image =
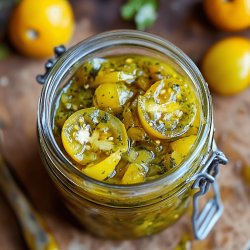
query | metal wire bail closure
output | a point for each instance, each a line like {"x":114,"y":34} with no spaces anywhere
{"x":203,"y":221}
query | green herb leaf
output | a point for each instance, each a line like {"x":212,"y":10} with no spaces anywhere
{"x":146,"y":16}
{"x":128,"y":11}
{"x":143,"y":12}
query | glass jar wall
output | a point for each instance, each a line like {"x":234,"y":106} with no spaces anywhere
{"x":122,"y":211}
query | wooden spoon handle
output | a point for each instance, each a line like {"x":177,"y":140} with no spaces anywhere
{"x":35,"y":230}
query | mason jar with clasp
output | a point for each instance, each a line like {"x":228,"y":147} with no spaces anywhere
{"x":131,"y":211}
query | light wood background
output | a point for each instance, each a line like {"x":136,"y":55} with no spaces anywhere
{"x":181,"y":22}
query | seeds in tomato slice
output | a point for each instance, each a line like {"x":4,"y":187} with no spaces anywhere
{"x":90,"y":136}
{"x":167,"y":109}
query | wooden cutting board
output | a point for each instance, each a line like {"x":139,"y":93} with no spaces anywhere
{"x":181,"y":22}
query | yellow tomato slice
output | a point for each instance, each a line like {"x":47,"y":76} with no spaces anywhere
{"x":113,"y":77}
{"x":176,"y":158}
{"x":103,"y":169}
{"x":134,"y":174}
{"x":92,"y":136}
{"x":140,"y":156}
{"x":159,"y":71}
{"x":183,"y":145}
{"x":87,"y":72}
{"x":167,"y":109}
{"x":181,"y":148}
{"x":132,"y":123}
{"x":111,"y":96}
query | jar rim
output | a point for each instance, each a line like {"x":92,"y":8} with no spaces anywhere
{"x":69,"y":59}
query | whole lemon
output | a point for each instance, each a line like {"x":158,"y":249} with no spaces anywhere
{"x":226,"y":66}
{"x":36,"y":27}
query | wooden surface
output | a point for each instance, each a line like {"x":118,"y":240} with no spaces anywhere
{"x":181,"y":22}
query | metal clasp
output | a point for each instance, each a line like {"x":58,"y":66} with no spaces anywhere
{"x":203,"y":221}
{"x":50,"y":63}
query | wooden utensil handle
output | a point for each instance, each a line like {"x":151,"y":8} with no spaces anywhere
{"x":34,"y":228}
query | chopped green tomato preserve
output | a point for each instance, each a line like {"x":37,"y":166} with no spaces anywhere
{"x":127,"y":119}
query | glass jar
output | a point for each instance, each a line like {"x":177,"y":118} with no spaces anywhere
{"x":131,"y":211}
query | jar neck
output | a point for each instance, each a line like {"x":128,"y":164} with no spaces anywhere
{"x":102,"y":45}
